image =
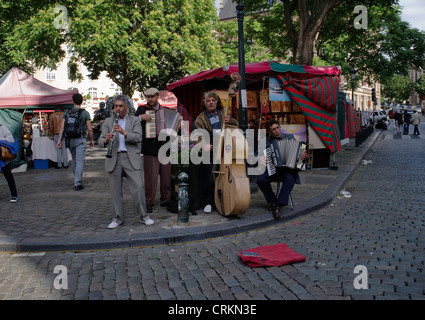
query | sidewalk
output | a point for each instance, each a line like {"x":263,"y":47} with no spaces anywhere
{"x":51,"y":216}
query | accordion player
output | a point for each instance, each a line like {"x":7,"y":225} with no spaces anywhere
{"x":284,"y":153}
{"x":283,"y":157}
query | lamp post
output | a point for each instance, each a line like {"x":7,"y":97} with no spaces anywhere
{"x":243,"y":115}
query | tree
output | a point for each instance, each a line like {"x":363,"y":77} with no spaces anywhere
{"x":397,"y":88}
{"x":138,"y":43}
{"x":227,"y":36}
{"x":294,"y":25}
{"x":386,"y":47}
{"x":12,"y":13}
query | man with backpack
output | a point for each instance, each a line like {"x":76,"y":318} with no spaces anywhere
{"x":75,"y":127}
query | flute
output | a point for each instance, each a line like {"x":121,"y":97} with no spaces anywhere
{"x":111,"y":145}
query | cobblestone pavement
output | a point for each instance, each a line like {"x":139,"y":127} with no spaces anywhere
{"x":377,"y":224}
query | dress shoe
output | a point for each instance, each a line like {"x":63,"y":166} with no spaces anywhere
{"x":80,"y":187}
{"x":149,"y":208}
{"x":276,"y":212}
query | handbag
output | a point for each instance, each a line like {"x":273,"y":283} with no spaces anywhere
{"x":6,"y":154}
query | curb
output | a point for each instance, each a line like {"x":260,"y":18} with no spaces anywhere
{"x":8,"y":245}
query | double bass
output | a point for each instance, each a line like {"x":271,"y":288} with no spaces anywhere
{"x":232,"y":192}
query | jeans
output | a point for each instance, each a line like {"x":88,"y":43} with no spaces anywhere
{"x":406,"y":128}
{"x":62,"y":152}
{"x":78,"y":151}
{"x":264,"y":183}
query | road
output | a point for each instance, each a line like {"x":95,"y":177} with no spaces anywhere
{"x":367,"y":244}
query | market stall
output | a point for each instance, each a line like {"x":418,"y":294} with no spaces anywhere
{"x":34,"y":100}
{"x":302,"y":98}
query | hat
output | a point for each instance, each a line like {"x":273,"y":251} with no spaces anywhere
{"x":151,"y":92}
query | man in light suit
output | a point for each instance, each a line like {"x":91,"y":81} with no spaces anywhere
{"x":125,"y":157}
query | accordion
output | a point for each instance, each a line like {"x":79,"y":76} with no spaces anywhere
{"x":163,"y":118}
{"x":284,"y":153}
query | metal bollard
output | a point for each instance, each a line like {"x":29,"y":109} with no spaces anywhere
{"x":183,"y":206}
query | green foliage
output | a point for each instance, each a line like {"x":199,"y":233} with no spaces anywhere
{"x":12,"y":13}
{"x":227,"y":36}
{"x":292,"y":29}
{"x":138,"y":43}
{"x":397,"y":88}
{"x":388,"y":46}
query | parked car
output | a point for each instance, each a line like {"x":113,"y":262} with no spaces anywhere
{"x":375,"y":116}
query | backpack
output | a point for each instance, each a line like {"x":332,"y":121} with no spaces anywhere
{"x":73,"y":127}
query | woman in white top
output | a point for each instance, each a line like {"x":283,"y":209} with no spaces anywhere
{"x":5,"y":135}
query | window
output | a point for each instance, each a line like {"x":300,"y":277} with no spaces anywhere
{"x":50,"y":74}
{"x":93,"y":92}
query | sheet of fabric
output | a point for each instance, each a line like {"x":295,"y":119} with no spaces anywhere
{"x":270,"y":256}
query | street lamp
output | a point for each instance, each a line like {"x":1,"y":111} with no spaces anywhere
{"x":243,"y":115}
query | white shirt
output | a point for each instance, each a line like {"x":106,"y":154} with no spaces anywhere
{"x":121,"y":137}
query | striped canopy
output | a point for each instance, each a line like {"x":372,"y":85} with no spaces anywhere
{"x":317,"y":99}
{"x":313,"y":89}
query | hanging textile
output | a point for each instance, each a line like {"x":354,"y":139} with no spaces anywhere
{"x":351,"y":120}
{"x":316,"y":97}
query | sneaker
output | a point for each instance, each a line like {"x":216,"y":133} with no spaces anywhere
{"x":147,"y":221}
{"x":115,"y":223}
{"x":207,"y":208}
{"x":14,"y":199}
{"x":77,"y":188}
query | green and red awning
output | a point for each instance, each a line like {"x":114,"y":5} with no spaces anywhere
{"x":313,"y":89}
{"x":317,"y":98}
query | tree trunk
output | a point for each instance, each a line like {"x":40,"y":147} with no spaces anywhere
{"x":311,"y":17}
{"x":305,"y":51}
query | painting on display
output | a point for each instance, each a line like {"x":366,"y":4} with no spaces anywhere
{"x":277,"y":93}
{"x":298,"y":130}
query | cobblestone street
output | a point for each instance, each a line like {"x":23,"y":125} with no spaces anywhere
{"x":378,"y":223}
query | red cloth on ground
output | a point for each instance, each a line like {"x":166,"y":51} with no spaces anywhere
{"x":270,"y":256}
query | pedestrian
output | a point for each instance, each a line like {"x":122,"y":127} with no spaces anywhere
{"x":398,"y":119}
{"x":62,"y":152}
{"x":288,"y":177}
{"x":406,"y":121}
{"x":391,"y":117}
{"x":150,"y":149}
{"x":416,"y":119}
{"x":211,"y":120}
{"x":123,"y":134}
{"x":8,"y":141}
{"x":77,"y":144}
